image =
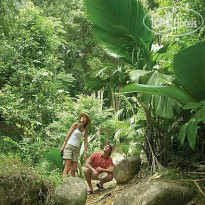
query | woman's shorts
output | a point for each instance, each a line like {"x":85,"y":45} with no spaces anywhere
{"x":71,"y":152}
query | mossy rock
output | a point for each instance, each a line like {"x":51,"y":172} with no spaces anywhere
{"x":126,"y":169}
{"x":72,"y":191}
{"x":154,"y":193}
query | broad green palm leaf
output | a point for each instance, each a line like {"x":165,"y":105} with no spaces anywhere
{"x":192,"y":75}
{"x":54,"y":157}
{"x":162,"y":105}
{"x":189,"y":67}
{"x":118,"y":25}
{"x":167,"y":91}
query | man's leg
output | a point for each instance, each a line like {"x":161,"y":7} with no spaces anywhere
{"x":108,"y":178}
{"x":87,"y":174}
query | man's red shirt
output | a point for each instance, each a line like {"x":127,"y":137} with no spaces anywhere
{"x":98,"y":160}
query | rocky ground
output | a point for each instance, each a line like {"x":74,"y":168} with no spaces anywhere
{"x":107,"y":196}
{"x":111,"y":189}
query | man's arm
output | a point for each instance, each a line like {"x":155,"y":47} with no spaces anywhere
{"x":89,"y":166}
{"x":109,"y":170}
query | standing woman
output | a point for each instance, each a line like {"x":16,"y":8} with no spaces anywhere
{"x":72,"y":142}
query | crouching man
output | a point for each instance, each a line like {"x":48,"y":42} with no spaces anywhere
{"x":99,"y":167}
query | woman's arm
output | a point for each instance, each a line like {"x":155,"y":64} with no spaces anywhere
{"x":72,"y":128}
{"x":85,"y":144}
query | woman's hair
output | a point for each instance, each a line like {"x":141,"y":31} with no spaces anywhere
{"x":85,"y":125}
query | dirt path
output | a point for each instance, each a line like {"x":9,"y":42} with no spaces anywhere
{"x":107,"y":196}
{"x":111,"y":188}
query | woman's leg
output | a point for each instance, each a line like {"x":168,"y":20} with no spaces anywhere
{"x":73,"y":168}
{"x":74,"y":163}
{"x":67,"y":167}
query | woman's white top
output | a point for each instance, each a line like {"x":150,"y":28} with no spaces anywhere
{"x":75,"y":137}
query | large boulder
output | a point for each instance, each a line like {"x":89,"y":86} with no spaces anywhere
{"x":154,"y":193}
{"x":126,"y":169}
{"x":72,"y":191}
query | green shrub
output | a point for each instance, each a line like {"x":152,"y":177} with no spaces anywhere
{"x":21,"y":185}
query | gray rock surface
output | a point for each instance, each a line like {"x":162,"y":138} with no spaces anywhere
{"x":72,"y":191}
{"x":126,"y":169}
{"x":154,"y":193}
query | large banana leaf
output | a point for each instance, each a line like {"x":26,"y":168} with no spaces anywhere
{"x":189,"y":66}
{"x":159,"y":79}
{"x":118,"y":25}
{"x":192,"y":132}
{"x":194,"y":105}
{"x":164,"y":106}
{"x":182,"y":133}
{"x":167,"y":91}
{"x":136,"y":74}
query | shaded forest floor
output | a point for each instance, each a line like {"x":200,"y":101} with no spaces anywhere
{"x":111,"y":189}
{"x":107,"y":196}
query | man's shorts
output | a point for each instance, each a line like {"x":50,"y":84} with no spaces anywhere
{"x":101,"y":176}
{"x":71,"y":152}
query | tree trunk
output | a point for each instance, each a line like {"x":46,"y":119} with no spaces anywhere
{"x":148,"y":132}
{"x":113,"y":99}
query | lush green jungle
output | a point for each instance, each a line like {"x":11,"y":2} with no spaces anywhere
{"x":144,"y":90}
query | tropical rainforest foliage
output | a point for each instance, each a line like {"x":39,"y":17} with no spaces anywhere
{"x":143,"y":91}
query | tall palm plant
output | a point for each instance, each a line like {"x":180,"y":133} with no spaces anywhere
{"x":119,"y":27}
{"x":189,"y":67}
